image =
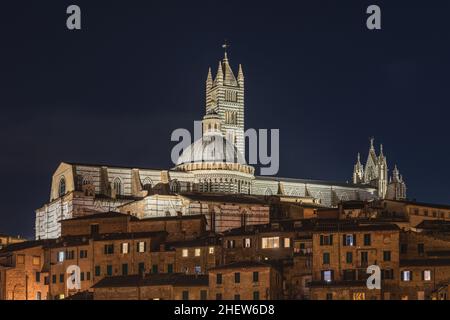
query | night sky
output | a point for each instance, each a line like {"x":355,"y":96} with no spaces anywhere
{"x":114,"y":91}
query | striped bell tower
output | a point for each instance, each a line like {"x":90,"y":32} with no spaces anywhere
{"x":225,"y":94}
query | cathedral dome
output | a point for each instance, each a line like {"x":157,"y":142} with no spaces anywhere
{"x":211,"y":148}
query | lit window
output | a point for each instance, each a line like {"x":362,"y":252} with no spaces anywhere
{"x":36,"y":261}
{"x":197,"y":252}
{"x":287,"y":242}
{"x":427,"y":275}
{"x":211,"y":250}
{"x":359,"y":296}
{"x":271,"y":242}
{"x":406,"y":275}
{"x":125,"y":248}
{"x":141,"y":246}
{"x":60,"y":257}
{"x":327,"y":276}
{"x":184,"y":253}
{"x":247,"y":243}
{"x":349,"y":240}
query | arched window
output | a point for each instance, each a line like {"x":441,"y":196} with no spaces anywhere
{"x":87,"y":180}
{"x":174,"y":186}
{"x":117,"y":185}
{"x":147,"y":184}
{"x":62,"y":186}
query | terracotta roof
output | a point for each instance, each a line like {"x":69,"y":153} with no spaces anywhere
{"x":225,"y":198}
{"x":242,"y":264}
{"x":423,"y":204}
{"x":424,"y":262}
{"x":103,"y":215}
{"x":161,"y":279}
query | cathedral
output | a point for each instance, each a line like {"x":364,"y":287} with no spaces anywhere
{"x":376,"y":174}
{"x":213,"y":165}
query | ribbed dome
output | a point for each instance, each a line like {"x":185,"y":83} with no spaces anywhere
{"x":212,"y":147}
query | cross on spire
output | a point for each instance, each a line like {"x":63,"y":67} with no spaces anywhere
{"x":225,"y":46}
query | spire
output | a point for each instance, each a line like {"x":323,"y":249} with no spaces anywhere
{"x":209,"y":80}
{"x":381,"y":150}
{"x":240,"y":76}
{"x":219,"y":76}
{"x":359,"y":159}
{"x":371,"y":143}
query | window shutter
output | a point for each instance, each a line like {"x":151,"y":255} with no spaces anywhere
{"x":331,"y":239}
{"x":354,"y":240}
{"x":344,"y":239}
{"x":321,"y":240}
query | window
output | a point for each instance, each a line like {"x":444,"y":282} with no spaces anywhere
{"x":62,"y":187}
{"x":184,"y":253}
{"x":420,"y":248}
{"x":61,"y":277}
{"x":255,"y":295}
{"x":125,"y":248}
{"x":349,"y":239}
{"x":38,"y":277}
{"x":329,"y":296}
{"x":141,"y":246}
{"x":359,"y":296}
{"x":197,"y":252}
{"x":20,"y":259}
{"x":218,"y":296}
{"x":403,"y":248}
{"x":38,"y":295}
{"x":255,"y":276}
{"x":386,"y":255}
{"x":125,"y":269}
{"x":326,"y":240}
{"x":117,"y":185}
{"x":231,"y":244}
{"x":81,"y":276}
{"x":46,"y":281}
{"x":109,"y":270}
{"x":287,"y":242}
{"x":426,"y":275}
{"x":387,"y":274}
{"x":247,"y":243}
{"x":141,"y":267}
{"x":237,"y":277}
{"x":367,"y":239}
{"x":109,"y":249}
{"x":97,"y":271}
{"x":203,"y":295}
{"x":155,"y":268}
{"x":198,"y":269}
{"x":327,"y":275}
{"x":406,"y":275}
{"x":326,"y":258}
{"x":88,"y":276}
{"x":237,"y":297}
{"x":219,"y":278}
{"x":364,"y":257}
{"x":54,"y":278}
{"x":36,"y":261}
{"x":70,"y":255}
{"x":271,"y":242}
{"x":185,"y":295}
{"x":60,"y":256}
{"x":349,"y":257}
{"x":211,"y":250}
{"x":95,"y":229}
{"x":83,"y":254}
{"x":170,"y":268}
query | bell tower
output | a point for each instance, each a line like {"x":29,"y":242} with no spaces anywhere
{"x":225,"y":94}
